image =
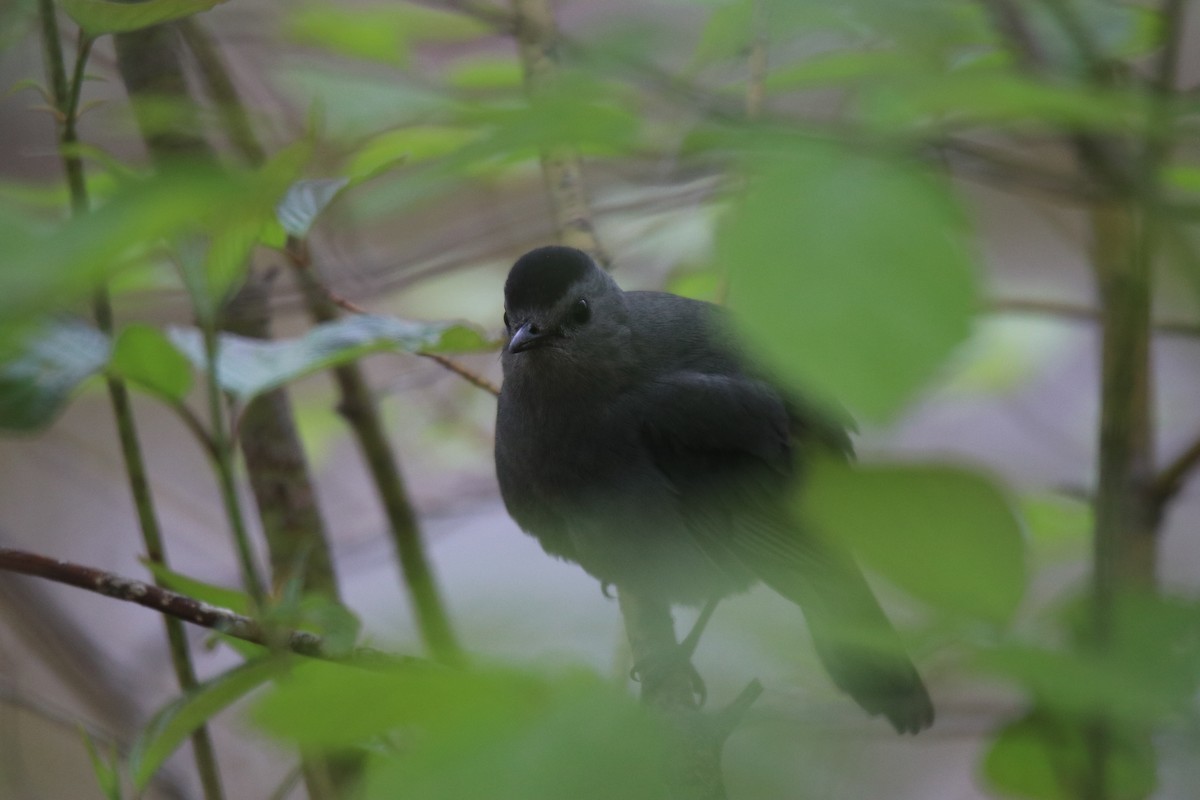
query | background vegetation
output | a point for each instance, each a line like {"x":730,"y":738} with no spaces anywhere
{"x":208,"y":203}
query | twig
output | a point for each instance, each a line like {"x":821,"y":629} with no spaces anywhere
{"x":187,"y":608}
{"x":354,"y":308}
{"x":1167,"y":483}
{"x":1085,"y":314}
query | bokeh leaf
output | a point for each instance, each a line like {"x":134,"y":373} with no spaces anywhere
{"x":1044,"y":757}
{"x":409,"y":145}
{"x":383,"y":33}
{"x":38,"y":378}
{"x":98,"y":17}
{"x":249,"y":367}
{"x":145,"y":357}
{"x":176,"y":721}
{"x":851,"y":273}
{"x":104,"y":767}
{"x":945,"y":535}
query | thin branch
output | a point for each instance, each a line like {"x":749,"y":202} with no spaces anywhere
{"x":1167,"y":483}
{"x":188,"y":609}
{"x":1085,"y":314}
{"x":458,"y":369}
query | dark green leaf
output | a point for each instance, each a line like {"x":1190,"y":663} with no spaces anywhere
{"x":39,"y":378}
{"x":1044,"y":757}
{"x":176,"y":721}
{"x":249,"y":367}
{"x":146,"y":358}
{"x":304,"y":202}
{"x":945,"y":535}
{"x":98,"y":17}
{"x":851,"y":273}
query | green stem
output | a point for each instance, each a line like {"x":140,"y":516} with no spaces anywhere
{"x":66,"y":98}
{"x":358,"y":408}
{"x":224,"y":464}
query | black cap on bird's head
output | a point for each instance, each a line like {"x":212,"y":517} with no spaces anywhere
{"x":551,"y":294}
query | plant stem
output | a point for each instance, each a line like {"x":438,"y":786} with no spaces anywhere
{"x":358,"y":408}
{"x":67,"y":99}
{"x":224,"y":465}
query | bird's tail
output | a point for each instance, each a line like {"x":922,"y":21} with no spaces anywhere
{"x":854,"y":638}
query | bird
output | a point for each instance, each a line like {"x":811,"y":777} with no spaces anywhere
{"x":637,"y":437}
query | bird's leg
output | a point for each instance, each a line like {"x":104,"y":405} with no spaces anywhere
{"x":680,"y":656}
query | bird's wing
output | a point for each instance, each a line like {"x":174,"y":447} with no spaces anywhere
{"x":726,"y":443}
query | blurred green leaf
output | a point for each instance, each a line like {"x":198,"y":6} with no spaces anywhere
{"x":969,"y":98}
{"x":727,"y":32}
{"x":177,"y":720}
{"x":381,"y":33}
{"x":214,"y":595}
{"x":485,"y":73}
{"x":98,"y":17}
{"x":851,"y":273}
{"x":103,"y":767}
{"x":1058,"y":523}
{"x":474,"y":733}
{"x":840,"y":67}
{"x":945,"y":535}
{"x":145,"y":357}
{"x":38,"y":378}
{"x":304,"y":202}
{"x":1044,"y":757}
{"x":410,"y":145}
{"x":249,"y":367}
{"x":1149,"y":670}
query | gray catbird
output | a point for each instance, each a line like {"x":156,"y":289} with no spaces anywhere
{"x":635,"y":438}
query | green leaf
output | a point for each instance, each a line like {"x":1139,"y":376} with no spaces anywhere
{"x":37,"y":380}
{"x":249,"y":367}
{"x":304,"y":202}
{"x":177,"y":720}
{"x":103,"y":767}
{"x":851,"y":273}
{"x":210,"y":593}
{"x":840,"y":67}
{"x":381,"y":33}
{"x":146,"y":358}
{"x":1044,"y":757}
{"x":410,"y":145}
{"x":727,"y":32}
{"x":483,"y":73}
{"x":945,"y":535}
{"x":474,"y":733}
{"x":98,"y":17}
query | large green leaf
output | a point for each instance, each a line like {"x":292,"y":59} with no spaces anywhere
{"x":945,"y":535}
{"x":98,"y":17}
{"x":474,"y":733}
{"x":249,"y":367}
{"x":1044,"y":757}
{"x":39,"y":377}
{"x":851,"y":273}
{"x":145,"y":357}
{"x":176,"y":721}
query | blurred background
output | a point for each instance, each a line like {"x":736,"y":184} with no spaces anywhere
{"x":424,"y":236}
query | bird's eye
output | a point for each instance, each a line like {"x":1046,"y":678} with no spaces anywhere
{"x":581,"y":312}
{"x":506,"y":320}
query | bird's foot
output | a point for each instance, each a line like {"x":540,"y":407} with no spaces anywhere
{"x":662,"y":668}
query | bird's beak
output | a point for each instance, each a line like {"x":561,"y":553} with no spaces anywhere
{"x":527,"y":337}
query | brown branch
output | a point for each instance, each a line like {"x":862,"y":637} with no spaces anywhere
{"x":1167,"y":483}
{"x":188,"y":609}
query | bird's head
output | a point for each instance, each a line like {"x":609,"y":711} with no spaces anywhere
{"x":561,"y":307}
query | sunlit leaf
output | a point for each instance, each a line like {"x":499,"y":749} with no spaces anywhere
{"x":177,"y":720}
{"x":304,"y":202}
{"x":851,"y":273}
{"x":98,"y":17}
{"x":145,"y":357}
{"x":945,"y":535}
{"x":249,"y":367}
{"x":1044,"y":757}
{"x":40,"y":375}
